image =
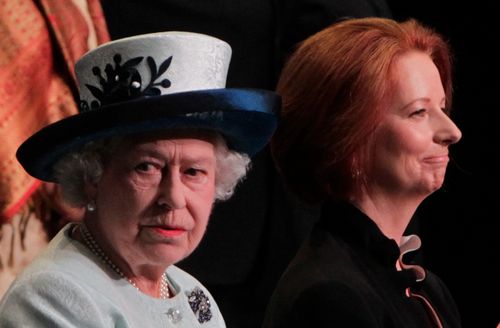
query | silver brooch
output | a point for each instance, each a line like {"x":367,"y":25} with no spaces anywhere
{"x":200,"y":304}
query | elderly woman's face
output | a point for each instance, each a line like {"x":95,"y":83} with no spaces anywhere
{"x":154,"y":198}
{"x":411,"y":144}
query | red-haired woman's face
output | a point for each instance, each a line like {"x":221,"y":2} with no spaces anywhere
{"x":411,"y":144}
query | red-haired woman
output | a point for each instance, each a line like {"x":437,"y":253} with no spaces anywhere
{"x":365,"y":130}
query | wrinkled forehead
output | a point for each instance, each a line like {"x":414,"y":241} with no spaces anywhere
{"x":175,"y":148}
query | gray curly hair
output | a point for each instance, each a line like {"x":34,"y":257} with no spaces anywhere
{"x":77,"y":169}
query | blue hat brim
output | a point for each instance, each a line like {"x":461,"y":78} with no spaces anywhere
{"x":246,"y":118}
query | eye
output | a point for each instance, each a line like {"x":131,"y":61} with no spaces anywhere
{"x":147,"y":174}
{"x":146,"y":167}
{"x":193,"y":171}
{"x":195,"y":175}
{"x":418,"y":113}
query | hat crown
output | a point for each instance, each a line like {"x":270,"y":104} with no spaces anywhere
{"x":152,"y":64}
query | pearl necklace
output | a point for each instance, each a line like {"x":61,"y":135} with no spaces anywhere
{"x":97,"y":250}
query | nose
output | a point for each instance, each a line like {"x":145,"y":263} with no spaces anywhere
{"x":172,"y":192}
{"x":447,"y":132}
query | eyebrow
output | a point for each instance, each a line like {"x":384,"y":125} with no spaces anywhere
{"x":423,"y":99}
{"x":199,"y":159}
{"x":186,"y":157}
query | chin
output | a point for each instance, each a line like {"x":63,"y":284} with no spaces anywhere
{"x":432,"y":187}
{"x":172,"y":254}
{"x":425,"y":188}
{"x":436,"y":181}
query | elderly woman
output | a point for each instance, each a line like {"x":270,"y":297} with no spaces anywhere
{"x":157,"y":141}
{"x":366,"y":130}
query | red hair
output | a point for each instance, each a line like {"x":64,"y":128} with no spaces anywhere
{"x":335,"y":88}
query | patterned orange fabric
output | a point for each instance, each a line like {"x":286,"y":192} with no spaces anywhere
{"x":39,"y":43}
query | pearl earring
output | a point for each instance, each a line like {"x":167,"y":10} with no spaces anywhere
{"x":91,"y":206}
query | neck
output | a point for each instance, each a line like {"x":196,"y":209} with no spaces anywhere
{"x":391,"y":214}
{"x":153,"y":287}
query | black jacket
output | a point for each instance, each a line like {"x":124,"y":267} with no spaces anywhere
{"x":345,"y":276}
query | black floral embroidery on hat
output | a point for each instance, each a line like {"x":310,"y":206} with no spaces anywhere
{"x":200,"y":304}
{"x":124,"y":82}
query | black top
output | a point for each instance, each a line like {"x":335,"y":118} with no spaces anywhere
{"x":344,"y":275}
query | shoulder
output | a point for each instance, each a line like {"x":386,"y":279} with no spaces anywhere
{"x":62,"y":253}
{"x":45,"y":284}
{"x":60,"y":283}
{"x":65,"y":259}
{"x":48,"y":299}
